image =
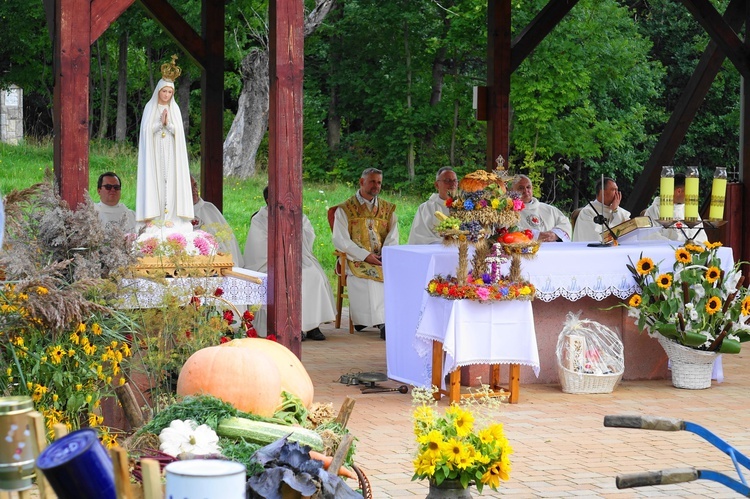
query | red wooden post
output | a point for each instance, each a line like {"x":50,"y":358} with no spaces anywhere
{"x":71,"y":98}
{"x":212,"y":104}
{"x":285,"y":172}
{"x":498,"y":80}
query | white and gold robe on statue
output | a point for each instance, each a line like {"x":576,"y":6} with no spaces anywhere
{"x":209,"y":218}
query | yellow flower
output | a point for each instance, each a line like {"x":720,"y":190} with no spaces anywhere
{"x":464,"y":420}
{"x":431,"y":288}
{"x":75,"y":338}
{"x":683,"y":256}
{"x":713,"y":305}
{"x":454,"y":451}
{"x":713,"y":274}
{"x":525,"y":290}
{"x":433,"y":443}
{"x":695,"y":248}
{"x":88,"y":399}
{"x":664,"y":281}
{"x":710,"y":245}
{"x":635,"y":301}
{"x":492,"y":477}
{"x":55,"y":397}
{"x":79,"y":386}
{"x":41,"y":290}
{"x":644,"y":266}
{"x":95,"y":420}
{"x":57,"y":353}
{"x":424,"y":465}
{"x":122,"y":381}
{"x":71,"y":352}
{"x":495,"y":203}
{"x":108,"y":440}
{"x":746,"y":305}
{"x":81,"y":328}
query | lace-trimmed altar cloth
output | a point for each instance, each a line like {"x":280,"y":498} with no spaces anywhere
{"x":149,"y":293}
{"x":478,"y":333}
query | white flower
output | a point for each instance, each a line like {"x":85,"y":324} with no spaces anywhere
{"x":186,"y":436}
{"x":731,"y":279}
{"x":699,"y":291}
{"x":691,"y":312}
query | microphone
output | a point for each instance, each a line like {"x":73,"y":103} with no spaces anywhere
{"x":599,"y":218}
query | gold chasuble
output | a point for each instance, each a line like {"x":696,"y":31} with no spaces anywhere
{"x":368,"y":228}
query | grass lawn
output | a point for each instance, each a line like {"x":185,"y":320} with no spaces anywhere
{"x":24,"y":165}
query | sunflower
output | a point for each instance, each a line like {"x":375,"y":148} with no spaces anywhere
{"x":454,"y":451}
{"x":57,"y":353}
{"x":713,"y":274}
{"x":645,"y":266}
{"x":635,"y":301}
{"x":683,"y":256}
{"x":713,"y":305}
{"x":464,"y":420}
{"x":433,"y":443}
{"x":664,"y":281}
{"x":746,"y":306}
{"x":492,"y":477}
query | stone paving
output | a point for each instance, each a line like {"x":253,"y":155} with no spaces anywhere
{"x":561,"y":447}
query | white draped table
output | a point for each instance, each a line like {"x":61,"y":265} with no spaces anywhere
{"x":468,"y":332}
{"x":563,"y":273}
{"x":150,"y":293}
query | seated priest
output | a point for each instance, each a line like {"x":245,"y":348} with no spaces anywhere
{"x":547,"y":222}
{"x":109,"y":208}
{"x":607,"y":204}
{"x":423,"y":225}
{"x":208,"y":217}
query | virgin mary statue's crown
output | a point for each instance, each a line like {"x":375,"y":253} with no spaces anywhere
{"x":171,"y":71}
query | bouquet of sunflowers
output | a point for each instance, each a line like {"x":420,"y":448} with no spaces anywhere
{"x":695,"y":304}
{"x":450,"y":447}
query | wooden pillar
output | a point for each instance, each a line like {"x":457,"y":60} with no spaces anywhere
{"x":285,"y":172}
{"x":71,"y":64}
{"x":498,"y":81}
{"x":212,"y":103}
{"x":744,"y":244}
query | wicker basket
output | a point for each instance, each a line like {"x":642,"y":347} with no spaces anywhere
{"x":574,"y":382}
{"x":691,"y":368}
{"x":364,"y":483}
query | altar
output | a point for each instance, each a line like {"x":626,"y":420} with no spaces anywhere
{"x":567,"y":276}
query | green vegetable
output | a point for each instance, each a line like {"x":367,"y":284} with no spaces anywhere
{"x":264,"y":433}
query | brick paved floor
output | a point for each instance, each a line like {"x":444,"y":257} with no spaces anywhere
{"x":561,"y":446}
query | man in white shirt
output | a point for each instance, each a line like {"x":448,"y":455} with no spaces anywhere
{"x":675,"y":234}
{"x":423,"y":225}
{"x":208,"y":217}
{"x":607,"y":203}
{"x":109,"y":208}
{"x":317,"y":297}
{"x":362,"y":225}
{"x":548,"y":223}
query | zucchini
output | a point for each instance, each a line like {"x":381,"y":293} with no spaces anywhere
{"x":263,"y":433}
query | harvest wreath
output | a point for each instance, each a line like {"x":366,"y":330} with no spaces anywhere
{"x":481,"y":289}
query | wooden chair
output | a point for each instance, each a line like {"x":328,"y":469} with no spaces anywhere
{"x":340,"y":277}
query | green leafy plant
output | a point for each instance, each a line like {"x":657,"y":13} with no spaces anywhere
{"x":695,"y":304}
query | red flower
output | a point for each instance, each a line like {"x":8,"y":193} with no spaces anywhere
{"x":188,"y":334}
{"x":272,"y":337}
{"x":218,"y":292}
{"x":195,"y":301}
{"x":251,"y":332}
{"x":224,"y":339}
{"x":248,"y":316}
{"x":449,"y":202}
{"x":228,"y":316}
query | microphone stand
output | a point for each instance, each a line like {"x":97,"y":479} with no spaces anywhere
{"x":599,"y":218}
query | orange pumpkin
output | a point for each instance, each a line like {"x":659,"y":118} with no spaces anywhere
{"x":239,"y":376}
{"x":294,"y":377}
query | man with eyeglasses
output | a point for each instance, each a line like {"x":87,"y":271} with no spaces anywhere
{"x":110,"y":209}
{"x":423,"y":225}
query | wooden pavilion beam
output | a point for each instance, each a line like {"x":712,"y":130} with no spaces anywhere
{"x":498,"y":81}
{"x":286,"y":64}
{"x":682,"y":116}
{"x":720,"y":32}
{"x":176,"y":27}
{"x":104,"y":13}
{"x":537,"y":30}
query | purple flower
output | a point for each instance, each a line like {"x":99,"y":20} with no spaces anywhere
{"x":486,"y":278}
{"x":482,"y":203}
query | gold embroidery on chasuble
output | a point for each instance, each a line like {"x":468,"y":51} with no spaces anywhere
{"x":368,"y":229}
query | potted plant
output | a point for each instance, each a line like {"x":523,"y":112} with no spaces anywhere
{"x":453,"y":453}
{"x":695,"y":310}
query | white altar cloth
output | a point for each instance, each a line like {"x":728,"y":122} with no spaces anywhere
{"x":559,"y":270}
{"x":150,"y":293}
{"x":478,"y":333}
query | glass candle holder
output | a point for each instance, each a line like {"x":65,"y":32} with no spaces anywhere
{"x":692,"y":181}
{"x":718,"y":194}
{"x":666,"y":193}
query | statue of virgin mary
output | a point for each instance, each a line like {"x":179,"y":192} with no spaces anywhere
{"x":164,"y":197}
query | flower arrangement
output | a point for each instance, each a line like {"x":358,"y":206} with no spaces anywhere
{"x":450,"y":447}
{"x":483,"y":197}
{"x":483,"y":289}
{"x":695,"y":304}
{"x":174,"y":244}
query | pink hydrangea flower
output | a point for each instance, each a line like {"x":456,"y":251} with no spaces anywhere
{"x":483,"y":293}
{"x":203,"y":246}
{"x":148,"y":246}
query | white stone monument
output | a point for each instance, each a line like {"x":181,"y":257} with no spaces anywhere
{"x":11,"y":115}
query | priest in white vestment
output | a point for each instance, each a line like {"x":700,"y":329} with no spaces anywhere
{"x":362,"y":225}
{"x":607,"y":203}
{"x":209,"y":218}
{"x":547,"y":222}
{"x":317,"y":296}
{"x":675,"y":234}
{"x":109,"y":208}
{"x":423,"y":225}
{"x":163,"y":198}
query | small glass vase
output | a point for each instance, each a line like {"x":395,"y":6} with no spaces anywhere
{"x":448,"y":489}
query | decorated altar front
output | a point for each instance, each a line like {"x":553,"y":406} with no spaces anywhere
{"x":567,"y":277}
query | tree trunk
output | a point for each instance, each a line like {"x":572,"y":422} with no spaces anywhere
{"x":251,"y":122}
{"x":410,"y":151}
{"x":438,"y":69}
{"x":121,"y":126}
{"x":183,"y":100}
{"x":105,"y":80}
{"x":333,"y":120}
